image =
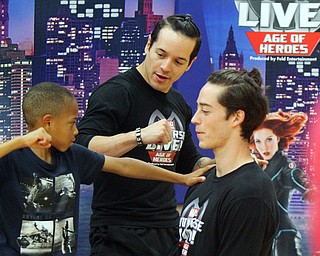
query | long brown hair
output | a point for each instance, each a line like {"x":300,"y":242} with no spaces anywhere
{"x":285,"y":125}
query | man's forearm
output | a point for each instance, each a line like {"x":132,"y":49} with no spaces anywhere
{"x":202,"y":162}
{"x":116,"y":145}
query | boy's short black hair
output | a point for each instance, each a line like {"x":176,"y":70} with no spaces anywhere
{"x":44,"y":98}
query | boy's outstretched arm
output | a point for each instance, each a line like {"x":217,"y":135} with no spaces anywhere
{"x":133,"y":168}
{"x":36,"y":138}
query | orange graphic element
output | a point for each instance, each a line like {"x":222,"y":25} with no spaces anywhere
{"x":283,"y":43}
{"x":162,"y":157}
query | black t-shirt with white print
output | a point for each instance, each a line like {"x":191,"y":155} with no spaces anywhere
{"x":39,"y":202}
{"x":236,"y":214}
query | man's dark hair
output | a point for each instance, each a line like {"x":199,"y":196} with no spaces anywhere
{"x":242,"y":91}
{"x":183,"y":24}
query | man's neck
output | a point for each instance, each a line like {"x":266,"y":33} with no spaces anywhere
{"x":229,"y":159}
{"x":141,"y":69}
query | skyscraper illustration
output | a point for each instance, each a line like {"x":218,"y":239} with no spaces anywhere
{"x":293,"y":85}
{"x":5,"y":102}
{"x":230,"y":59}
{"x":15,"y":79}
{"x":69,"y":53}
{"x":21,"y":75}
{"x":145,"y":10}
{"x":72,"y":35}
{"x":77,"y":43}
{"x":4,"y":20}
{"x":132,"y":39}
{"x":105,"y":17}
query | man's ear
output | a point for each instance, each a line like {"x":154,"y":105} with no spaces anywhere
{"x":238,"y":117}
{"x":193,"y":60}
{"x":46,"y":121}
{"x":147,"y":47}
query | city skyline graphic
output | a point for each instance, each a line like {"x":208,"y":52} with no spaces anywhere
{"x":79,"y":44}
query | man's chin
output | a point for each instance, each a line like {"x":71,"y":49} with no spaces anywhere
{"x":203,"y":146}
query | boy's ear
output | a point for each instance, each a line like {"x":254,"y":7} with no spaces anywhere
{"x":46,"y":121}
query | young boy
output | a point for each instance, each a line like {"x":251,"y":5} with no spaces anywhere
{"x":37,"y":138}
{"x":39,"y":192}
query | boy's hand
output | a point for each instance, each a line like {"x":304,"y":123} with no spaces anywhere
{"x":195,"y":177}
{"x":38,"y":138}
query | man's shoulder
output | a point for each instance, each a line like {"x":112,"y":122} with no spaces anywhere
{"x":177,"y":97}
{"x":252,"y":178}
{"x":176,"y":93}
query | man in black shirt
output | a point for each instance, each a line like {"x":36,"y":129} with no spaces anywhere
{"x":234,"y":212}
{"x":138,"y":114}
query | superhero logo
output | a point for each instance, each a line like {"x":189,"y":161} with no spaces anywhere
{"x":191,"y":222}
{"x":173,"y":120}
{"x":165,"y":154}
{"x":281,"y":28}
{"x":279,"y":16}
{"x":292,"y":165}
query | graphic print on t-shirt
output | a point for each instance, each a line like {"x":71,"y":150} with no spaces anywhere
{"x":164,"y":154}
{"x":37,"y":193}
{"x":36,"y":237}
{"x":65,"y":192}
{"x":65,"y":238}
{"x":48,"y":221}
{"x":190,"y":224}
